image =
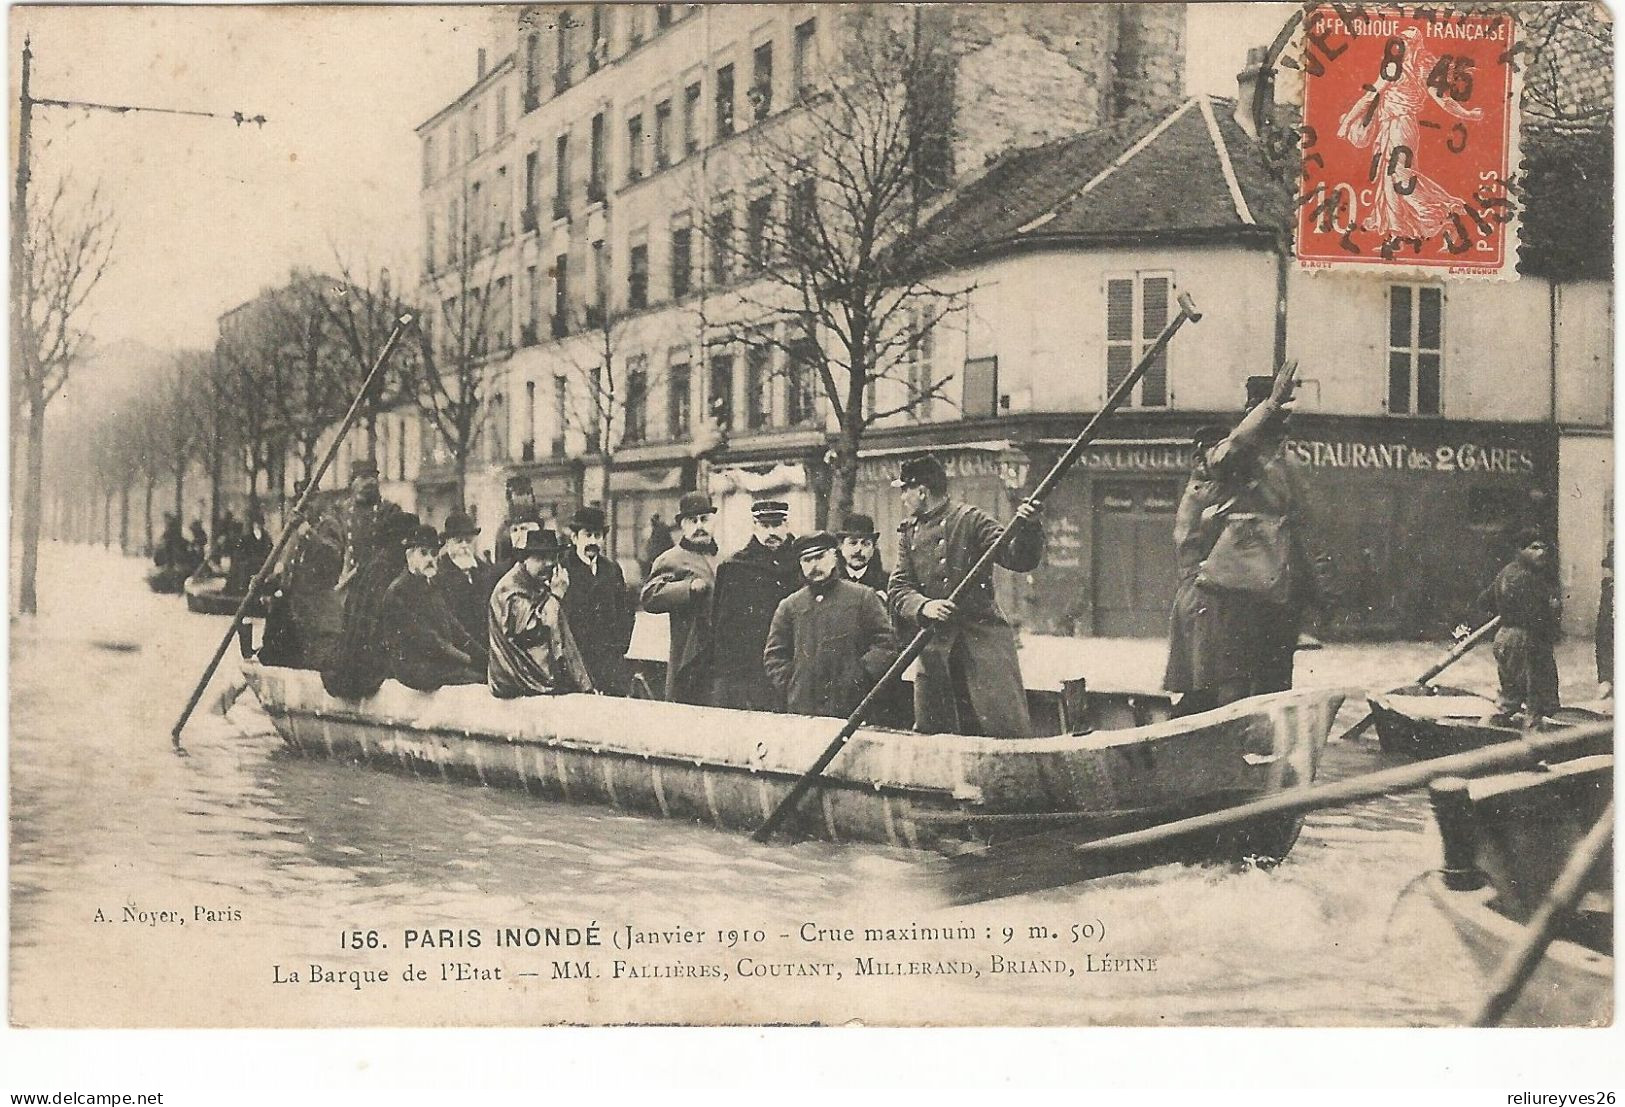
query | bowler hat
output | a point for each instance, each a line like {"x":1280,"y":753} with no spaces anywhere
{"x":363,"y":468}
{"x":695,"y":503}
{"x":768,"y":510}
{"x":539,"y":542}
{"x":422,"y":538}
{"x":816,"y":542}
{"x":459,"y":524}
{"x":397,"y":527}
{"x":858,"y":526}
{"x":924,"y":469}
{"x":590,"y":518}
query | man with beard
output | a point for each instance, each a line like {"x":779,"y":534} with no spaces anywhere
{"x":830,"y":641}
{"x":533,"y":652}
{"x":464,"y":581}
{"x":360,"y":522}
{"x":522,"y":515}
{"x":860,"y":561}
{"x":597,"y":604}
{"x":969,"y":679}
{"x":360,"y":658}
{"x":428,"y":647}
{"x":750,"y":586}
{"x":679,"y":586}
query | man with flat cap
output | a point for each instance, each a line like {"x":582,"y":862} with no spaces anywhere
{"x":533,"y":652}
{"x":598,"y":605}
{"x":751,"y":584}
{"x":428,"y":647}
{"x":463,"y":580}
{"x":829,"y":641}
{"x":522,"y":514}
{"x":680,"y":584}
{"x":969,"y":679}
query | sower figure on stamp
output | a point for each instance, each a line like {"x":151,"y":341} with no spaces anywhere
{"x":1244,"y":577}
{"x":1525,"y":595}
{"x":463,"y":580}
{"x":860,"y":560}
{"x":750,"y":586}
{"x":597,"y":604}
{"x":533,"y":652}
{"x":679,"y":586}
{"x":969,"y":678}
{"x":428,"y":647}
{"x":830,"y":641}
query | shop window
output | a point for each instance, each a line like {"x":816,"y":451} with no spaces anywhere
{"x":981,"y":396}
{"x":1136,"y":312}
{"x":1415,"y":345}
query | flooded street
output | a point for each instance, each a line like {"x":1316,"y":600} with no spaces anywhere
{"x":269,"y":862}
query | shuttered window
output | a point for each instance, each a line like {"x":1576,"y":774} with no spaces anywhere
{"x":1137,"y":308}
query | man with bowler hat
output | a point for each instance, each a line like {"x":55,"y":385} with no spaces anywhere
{"x":969,"y":679}
{"x":679,"y":586}
{"x":830,"y":641}
{"x":428,"y":647}
{"x":463,"y":580}
{"x":533,"y":652}
{"x":522,"y":513}
{"x":597,"y":604}
{"x":750,"y":586}
{"x":860,"y":560}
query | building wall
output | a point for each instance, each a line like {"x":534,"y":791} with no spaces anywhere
{"x":1584,"y":337}
{"x":1585,"y":523}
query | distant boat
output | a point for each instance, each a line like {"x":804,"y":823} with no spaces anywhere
{"x":168,"y":580}
{"x":1434,"y":721}
{"x":206,"y":594}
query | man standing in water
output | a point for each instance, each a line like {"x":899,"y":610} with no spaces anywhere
{"x":679,"y":585}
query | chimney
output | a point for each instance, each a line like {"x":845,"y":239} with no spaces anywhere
{"x":480,"y":76}
{"x":1248,"y":83}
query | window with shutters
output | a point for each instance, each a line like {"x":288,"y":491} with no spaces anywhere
{"x":758,"y":379}
{"x":1137,"y":308}
{"x":1415,"y":349}
{"x":921,"y":348}
{"x":637,"y":400}
{"x":679,"y":399}
{"x":981,"y":394}
{"x":720,"y":394}
{"x":725,"y":101}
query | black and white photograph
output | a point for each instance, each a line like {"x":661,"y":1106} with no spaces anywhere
{"x":743,"y":515}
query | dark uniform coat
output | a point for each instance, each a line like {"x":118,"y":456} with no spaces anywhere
{"x":428,"y":647}
{"x":827,"y":646}
{"x":532,"y":650}
{"x":969,"y":680}
{"x":600,"y":612}
{"x":750,"y":586}
{"x":358,"y":528}
{"x":1528,"y":602}
{"x":679,"y":585}
{"x":467,"y":595}
{"x":360,"y":660}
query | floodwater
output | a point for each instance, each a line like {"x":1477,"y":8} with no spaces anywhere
{"x":155,"y":889}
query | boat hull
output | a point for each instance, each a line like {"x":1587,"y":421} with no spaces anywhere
{"x":729,"y":769}
{"x":208,"y":596}
{"x":1437,"y":722}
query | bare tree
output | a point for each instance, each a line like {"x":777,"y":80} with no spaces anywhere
{"x":361,"y":313}
{"x":809,"y":239}
{"x":180,"y":401}
{"x":309,"y":364}
{"x":66,"y":248}
{"x":251,"y":379}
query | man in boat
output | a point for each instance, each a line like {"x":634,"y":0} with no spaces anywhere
{"x":428,"y":647}
{"x":314,"y":561}
{"x":751,"y":584}
{"x":463,"y":580}
{"x":533,"y":652}
{"x":1526,"y":596}
{"x":522,"y":515}
{"x":362,"y":520}
{"x":598,"y":605}
{"x":172,"y":552}
{"x":969,"y":679}
{"x":679,"y":586}
{"x":253,"y":547}
{"x":360,"y":660}
{"x":831,"y":640}
{"x":860,"y":561}
{"x":1245,"y":579}
{"x":200,"y":542}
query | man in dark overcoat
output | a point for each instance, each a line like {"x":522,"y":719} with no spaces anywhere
{"x":362,"y":520}
{"x":831,"y":640}
{"x":969,"y":680}
{"x":679,"y":586}
{"x":860,"y":560}
{"x":464,"y":580}
{"x":598,"y":605}
{"x":751,"y":584}
{"x":360,"y":658}
{"x":428,"y":647}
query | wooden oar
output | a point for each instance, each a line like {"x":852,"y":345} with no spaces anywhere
{"x":1457,"y":652}
{"x":1521,"y":963}
{"x":1187,"y":313}
{"x":1055,"y":859}
{"x":291,"y":528}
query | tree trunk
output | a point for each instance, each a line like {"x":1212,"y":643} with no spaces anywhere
{"x":462,"y":480}
{"x":124,"y":517}
{"x":844,"y":473}
{"x":180,"y":497}
{"x":216,"y":464}
{"x":152,"y":485}
{"x":28,"y":595}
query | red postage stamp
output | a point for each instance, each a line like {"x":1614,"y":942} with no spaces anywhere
{"x":1409,"y":140}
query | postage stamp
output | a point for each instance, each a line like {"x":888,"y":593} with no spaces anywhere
{"x":1409,"y":140}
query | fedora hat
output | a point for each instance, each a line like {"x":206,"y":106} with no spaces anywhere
{"x":459,"y":524}
{"x":539,"y":542}
{"x":590,"y":518}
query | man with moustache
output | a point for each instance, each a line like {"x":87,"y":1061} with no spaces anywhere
{"x":428,"y":647}
{"x":680,"y":585}
{"x":597,"y":604}
{"x":750,"y":586}
{"x":533,"y":652}
{"x":830,"y":641}
{"x":860,"y":562}
{"x":463,"y":580}
{"x":360,"y":521}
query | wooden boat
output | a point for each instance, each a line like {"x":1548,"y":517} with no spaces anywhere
{"x":1506,"y":838}
{"x":206,"y":594}
{"x":167,"y":581}
{"x":1423,"y":721}
{"x":730,"y":768}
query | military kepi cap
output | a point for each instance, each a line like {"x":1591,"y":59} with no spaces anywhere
{"x":589,"y":518}
{"x":816,"y":542}
{"x":859,"y":526}
{"x":363,"y":468}
{"x":924,"y":469}
{"x":770,"y":511}
{"x":695,"y":503}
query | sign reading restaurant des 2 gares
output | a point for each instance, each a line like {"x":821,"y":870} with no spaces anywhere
{"x":1409,"y":140}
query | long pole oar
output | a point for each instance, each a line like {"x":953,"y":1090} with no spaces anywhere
{"x":1056,"y":859}
{"x":292,"y":526}
{"x":1457,"y":652}
{"x":1187,"y":313}
{"x":1521,"y":963}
